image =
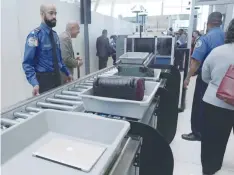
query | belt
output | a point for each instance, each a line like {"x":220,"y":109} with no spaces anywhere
{"x":45,"y":73}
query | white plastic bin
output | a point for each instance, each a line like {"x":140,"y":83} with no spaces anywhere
{"x":20,"y":141}
{"x":134,"y":57}
{"x":157,"y":73}
{"x":120,"y":107}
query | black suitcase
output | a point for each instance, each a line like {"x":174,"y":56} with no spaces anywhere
{"x":128,"y":88}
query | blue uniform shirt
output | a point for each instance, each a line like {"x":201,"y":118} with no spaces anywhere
{"x":38,"y":56}
{"x":113,"y":46}
{"x":206,"y":43}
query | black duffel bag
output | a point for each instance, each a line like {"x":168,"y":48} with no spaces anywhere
{"x":128,"y":88}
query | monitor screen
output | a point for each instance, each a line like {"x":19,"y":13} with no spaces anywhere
{"x":144,"y":45}
{"x":164,"y":46}
{"x":129,"y":45}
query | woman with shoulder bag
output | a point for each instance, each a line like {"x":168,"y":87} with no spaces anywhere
{"x":218,"y":114}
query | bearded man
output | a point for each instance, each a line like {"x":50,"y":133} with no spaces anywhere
{"x":42,"y":56}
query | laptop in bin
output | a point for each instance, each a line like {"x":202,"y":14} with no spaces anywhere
{"x":72,"y":153}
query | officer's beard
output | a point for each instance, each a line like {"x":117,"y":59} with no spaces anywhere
{"x":50,"y":23}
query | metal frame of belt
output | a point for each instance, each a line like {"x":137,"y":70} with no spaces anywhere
{"x":55,"y":59}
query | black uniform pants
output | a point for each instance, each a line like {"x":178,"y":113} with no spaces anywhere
{"x":198,"y":106}
{"x":103,"y":62}
{"x":218,"y":123}
{"x":114,"y":58}
{"x":179,"y":59}
{"x":48,"y":81}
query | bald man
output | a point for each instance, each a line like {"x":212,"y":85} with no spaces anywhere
{"x":42,"y":57}
{"x":72,"y":31}
{"x":205,"y":44}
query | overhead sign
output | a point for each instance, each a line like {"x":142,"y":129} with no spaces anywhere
{"x":213,"y":2}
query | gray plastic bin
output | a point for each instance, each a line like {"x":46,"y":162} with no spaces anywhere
{"x":114,"y":72}
{"x":134,"y":57}
{"x":21,"y":140}
{"x":120,"y":107}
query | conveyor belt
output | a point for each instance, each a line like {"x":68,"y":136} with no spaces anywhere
{"x":65,"y":98}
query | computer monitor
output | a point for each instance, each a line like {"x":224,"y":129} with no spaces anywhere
{"x":144,"y":45}
{"x":164,"y":46}
{"x":129,"y":45}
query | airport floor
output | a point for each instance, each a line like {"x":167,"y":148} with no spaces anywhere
{"x":187,"y":154}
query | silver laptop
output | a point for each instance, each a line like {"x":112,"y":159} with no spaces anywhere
{"x":73,"y":153}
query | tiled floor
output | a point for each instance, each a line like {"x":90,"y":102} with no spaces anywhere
{"x":187,"y":154}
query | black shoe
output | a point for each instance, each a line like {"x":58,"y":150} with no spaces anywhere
{"x":213,"y":172}
{"x":191,"y":137}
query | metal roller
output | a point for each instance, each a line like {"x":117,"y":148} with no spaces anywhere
{"x":70,"y":93}
{"x":67,"y":97}
{"x":33,"y":113}
{"x":108,"y":74}
{"x":22,"y":115}
{"x":75,"y":89}
{"x":8,"y":121}
{"x":32,"y":109}
{"x":89,"y":81}
{"x":55,"y":106}
{"x":66,"y":102}
{"x":87,"y":84}
{"x":3,"y":127}
{"x":81,"y":87}
{"x":20,"y":120}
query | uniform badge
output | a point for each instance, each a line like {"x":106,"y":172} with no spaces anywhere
{"x":32,"y":42}
{"x":198,"y":44}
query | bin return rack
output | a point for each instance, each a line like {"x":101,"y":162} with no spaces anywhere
{"x":66,"y":98}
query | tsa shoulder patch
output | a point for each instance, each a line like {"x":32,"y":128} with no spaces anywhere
{"x":198,"y":44}
{"x":32,"y":42}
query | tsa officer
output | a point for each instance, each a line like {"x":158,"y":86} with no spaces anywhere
{"x":203,"y":47}
{"x":113,"y":48}
{"x":42,"y":57}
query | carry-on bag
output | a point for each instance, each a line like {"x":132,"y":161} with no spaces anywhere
{"x":225,"y":91}
{"x":128,"y":88}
